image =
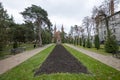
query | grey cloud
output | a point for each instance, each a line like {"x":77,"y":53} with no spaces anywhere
{"x":66,"y":12}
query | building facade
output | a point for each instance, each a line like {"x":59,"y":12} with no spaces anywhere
{"x":114,"y":26}
{"x":57,"y":35}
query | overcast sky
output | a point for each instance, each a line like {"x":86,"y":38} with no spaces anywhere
{"x":66,"y":12}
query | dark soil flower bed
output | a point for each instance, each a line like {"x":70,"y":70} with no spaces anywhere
{"x":61,"y":61}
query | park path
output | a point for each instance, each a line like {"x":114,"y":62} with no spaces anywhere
{"x":108,"y":60}
{"x":9,"y":63}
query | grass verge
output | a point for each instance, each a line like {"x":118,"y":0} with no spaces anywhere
{"x":99,"y":51}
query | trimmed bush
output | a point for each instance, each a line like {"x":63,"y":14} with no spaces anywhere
{"x":15,"y":44}
{"x":111,"y":45}
{"x":74,"y":41}
{"x":77,"y":41}
{"x":89,"y":44}
{"x":1,"y":46}
{"x":80,"y":42}
{"x":97,"y":42}
{"x":84,"y":42}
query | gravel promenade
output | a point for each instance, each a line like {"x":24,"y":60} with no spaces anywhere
{"x":108,"y":60}
{"x":9,"y":63}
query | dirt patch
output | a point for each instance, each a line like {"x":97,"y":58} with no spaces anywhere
{"x":61,"y":61}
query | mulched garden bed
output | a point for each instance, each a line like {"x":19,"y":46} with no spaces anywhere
{"x":61,"y":61}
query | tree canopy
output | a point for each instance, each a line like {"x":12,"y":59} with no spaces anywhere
{"x":39,"y":18}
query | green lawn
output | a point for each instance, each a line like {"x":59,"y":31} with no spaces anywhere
{"x":28,"y":46}
{"x":93,"y":49}
{"x":98,"y":71}
{"x":100,"y":51}
{"x":6,"y":51}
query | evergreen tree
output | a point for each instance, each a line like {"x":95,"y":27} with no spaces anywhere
{"x":46,"y":36}
{"x":77,"y":41}
{"x":80,"y":41}
{"x":63,"y":36}
{"x":84,"y":42}
{"x":111,"y":45}
{"x":4,"y":27}
{"x":38,"y":16}
{"x":97,"y":42}
{"x":88,"y":44}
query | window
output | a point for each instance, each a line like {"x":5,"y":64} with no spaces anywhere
{"x":104,"y":32}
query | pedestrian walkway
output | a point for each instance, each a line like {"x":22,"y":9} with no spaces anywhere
{"x":9,"y":63}
{"x":108,"y":60}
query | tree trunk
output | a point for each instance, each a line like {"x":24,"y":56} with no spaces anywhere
{"x":39,"y":33}
{"x":107,"y":26}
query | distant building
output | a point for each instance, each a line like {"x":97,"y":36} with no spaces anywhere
{"x":57,"y":35}
{"x":114,"y":26}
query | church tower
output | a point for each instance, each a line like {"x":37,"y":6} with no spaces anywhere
{"x":57,"y":37}
{"x":62,"y":34}
{"x":62,"y":29}
{"x":55,"y":29}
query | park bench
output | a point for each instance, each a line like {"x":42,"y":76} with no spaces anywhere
{"x":17,"y":50}
{"x":116,"y":54}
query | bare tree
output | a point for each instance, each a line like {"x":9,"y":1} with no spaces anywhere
{"x":104,"y":12}
{"x":87,"y":23}
{"x":71,"y":33}
{"x":109,"y":6}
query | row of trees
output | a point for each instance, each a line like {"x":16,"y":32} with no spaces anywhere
{"x":36,"y":28}
{"x":5,"y":23}
{"x":88,"y":32}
